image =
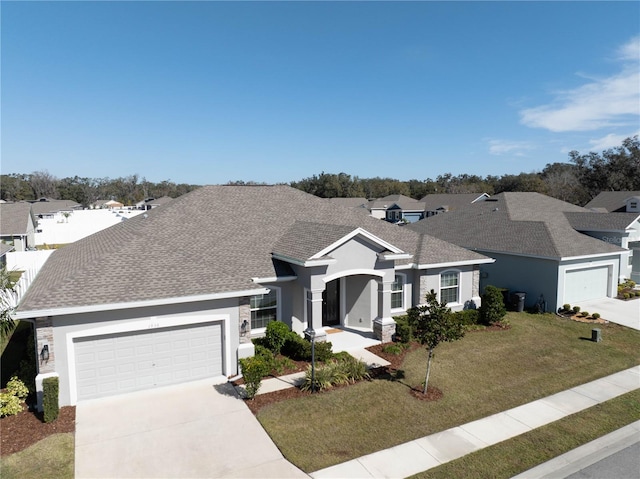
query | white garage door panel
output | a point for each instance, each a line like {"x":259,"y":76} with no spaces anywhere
{"x":125,"y":362}
{"x":586,"y":284}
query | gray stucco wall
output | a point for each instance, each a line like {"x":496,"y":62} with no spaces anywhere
{"x":532,"y":276}
{"x":361,"y":303}
{"x":430,"y":279}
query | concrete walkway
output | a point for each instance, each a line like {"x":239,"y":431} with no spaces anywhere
{"x":431,"y":451}
{"x":626,"y":313}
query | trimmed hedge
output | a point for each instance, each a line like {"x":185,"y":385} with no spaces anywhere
{"x":50,"y":388}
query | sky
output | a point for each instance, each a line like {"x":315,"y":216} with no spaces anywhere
{"x":211,"y":92}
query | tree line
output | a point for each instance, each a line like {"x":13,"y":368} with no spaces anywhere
{"x":577,"y":182}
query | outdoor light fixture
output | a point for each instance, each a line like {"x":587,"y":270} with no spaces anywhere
{"x":44,"y":354}
{"x":311,"y":334}
{"x":243,"y":328}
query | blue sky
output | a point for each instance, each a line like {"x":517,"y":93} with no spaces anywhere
{"x":209,"y":92}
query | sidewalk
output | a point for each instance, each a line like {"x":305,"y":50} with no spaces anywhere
{"x":431,"y":451}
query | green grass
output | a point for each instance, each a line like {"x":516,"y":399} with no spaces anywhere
{"x":480,"y":375}
{"x":51,"y":457}
{"x":517,"y":455}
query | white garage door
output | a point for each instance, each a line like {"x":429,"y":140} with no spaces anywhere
{"x":125,"y":362}
{"x":585,"y":284}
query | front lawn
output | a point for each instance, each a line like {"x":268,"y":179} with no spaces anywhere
{"x":484,"y":373}
{"x":51,"y":457}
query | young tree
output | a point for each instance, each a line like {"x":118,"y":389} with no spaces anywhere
{"x":433,"y":324}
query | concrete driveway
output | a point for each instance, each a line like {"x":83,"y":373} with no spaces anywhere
{"x":626,"y":313}
{"x":191,"y":430}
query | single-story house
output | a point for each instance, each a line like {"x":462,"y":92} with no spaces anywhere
{"x":177,"y":293}
{"x":395,"y":208}
{"x":536,"y":248}
{"x":616,"y":202}
{"x":437,"y":203}
{"x":47,"y":208}
{"x":18,"y":225}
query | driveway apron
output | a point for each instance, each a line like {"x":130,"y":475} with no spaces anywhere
{"x":626,"y":313}
{"x":191,"y":430}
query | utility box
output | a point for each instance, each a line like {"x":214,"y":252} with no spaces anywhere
{"x":596,"y":335}
{"x":518,"y":300}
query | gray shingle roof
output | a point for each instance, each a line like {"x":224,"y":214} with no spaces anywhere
{"x":350,"y":202}
{"x":212,"y":240}
{"x":53,"y":206}
{"x":520,"y":223}
{"x":601,"y":221}
{"x":14,"y":218}
{"x":612,"y":200}
{"x":451,"y":201}
{"x":400,"y":200}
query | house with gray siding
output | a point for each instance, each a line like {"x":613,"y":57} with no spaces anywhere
{"x":17,"y":225}
{"x":537,"y":249}
{"x":177,"y":294}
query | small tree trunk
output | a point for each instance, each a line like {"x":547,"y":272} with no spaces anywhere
{"x":426,"y":378}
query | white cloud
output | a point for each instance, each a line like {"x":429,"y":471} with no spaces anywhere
{"x":610,"y":141}
{"x":604,"y":102}
{"x":503,"y":147}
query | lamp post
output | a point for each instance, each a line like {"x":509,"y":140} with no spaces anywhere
{"x":311,"y":334}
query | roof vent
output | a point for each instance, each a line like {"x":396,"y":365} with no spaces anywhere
{"x":496,"y":209}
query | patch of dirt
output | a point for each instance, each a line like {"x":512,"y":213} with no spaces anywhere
{"x":433,"y":394}
{"x":27,"y":428}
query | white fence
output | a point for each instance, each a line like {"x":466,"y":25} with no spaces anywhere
{"x":29,"y":262}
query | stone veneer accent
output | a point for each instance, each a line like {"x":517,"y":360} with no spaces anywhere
{"x":476,"y":280}
{"x":423,"y":288}
{"x":44,"y":335}
{"x":244,"y":314}
{"x":384,"y":329}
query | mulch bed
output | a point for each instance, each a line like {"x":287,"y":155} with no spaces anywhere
{"x":27,"y":428}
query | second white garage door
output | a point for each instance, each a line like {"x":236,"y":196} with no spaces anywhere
{"x":585,"y":284}
{"x":126,"y":362}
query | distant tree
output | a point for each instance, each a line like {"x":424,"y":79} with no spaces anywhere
{"x":43,"y":184}
{"x":616,"y":169}
{"x":434,"y":323}
{"x":522,"y":182}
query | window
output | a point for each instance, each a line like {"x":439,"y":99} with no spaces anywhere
{"x":264,"y":308}
{"x":397,"y":293}
{"x":449,"y":287}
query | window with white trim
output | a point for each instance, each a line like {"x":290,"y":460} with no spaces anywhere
{"x":264,"y":309}
{"x":397,"y":292}
{"x":449,"y":286}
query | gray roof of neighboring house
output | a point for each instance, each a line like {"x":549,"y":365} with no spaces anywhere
{"x":404,"y":202}
{"x":176,"y":251}
{"x":612,"y":201}
{"x":53,"y":206}
{"x":519,"y":223}
{"x":349,"y":202}
{"x":14,"y":218}
{"x":589,"y":221}
{"x":163,"y":200}
{"x":449,"y":201}
{"x":5,"y":248}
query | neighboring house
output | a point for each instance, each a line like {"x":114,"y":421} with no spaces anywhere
{"x":537,"y":251}
{"x":444,"y":202}
{"x":17,"y":225}
{"x":396,"y":208}
{"x":616,"y":202}
{"x":110,"y":204}
{"x":621,"y":229}
{"x":46,"y":208}
{"x":4,"y":249}
{"x":188,"y":286}
{"x":150,"y":203}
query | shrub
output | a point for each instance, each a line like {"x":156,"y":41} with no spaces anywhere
{"x":584,"y":314}
{"x":50,"y":399}
{"x":266,"y":355}
{"x":404,"y":332}
{"x":254,"y":369}
{"x":595,"y":315}
{"x":282,"y":364}
{"x":276,"y":335}
{"x":342,"y":369}
{"x":566,"y":307}
{"x":324,"y":351}
{"x":468,"y":317}
{"x":394,"y":349}
{"x":17,"y":388}
{"x":10,"y":405}
{"x":576,"y":309}
{"x":492,"y":309}
{"x":637,"y":293}
{"x":626,"y":295}
{"x":296,"y":348}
